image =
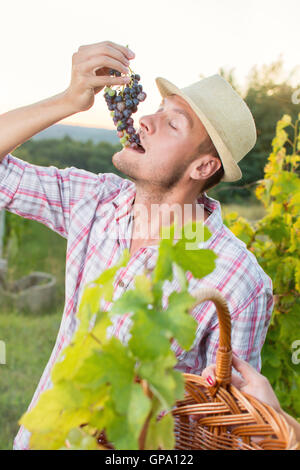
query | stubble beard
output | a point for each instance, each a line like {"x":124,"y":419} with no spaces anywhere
{"x":165,"y":183}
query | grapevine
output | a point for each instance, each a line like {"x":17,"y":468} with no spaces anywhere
{"x":125,"y":389}
{"x":275,"y":241}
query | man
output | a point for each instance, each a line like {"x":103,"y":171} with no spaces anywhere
{"x":191,"y":143}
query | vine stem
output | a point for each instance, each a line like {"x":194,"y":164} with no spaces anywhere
{"x":148,"y":393}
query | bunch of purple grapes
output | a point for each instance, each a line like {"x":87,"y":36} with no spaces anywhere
{"x":122,"y":103}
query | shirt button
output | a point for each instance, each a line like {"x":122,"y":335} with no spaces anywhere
{"x":121,"y":283}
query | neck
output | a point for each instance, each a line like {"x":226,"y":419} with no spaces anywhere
{"x":154,"y":209}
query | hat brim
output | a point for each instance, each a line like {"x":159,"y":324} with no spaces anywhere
{"x":232,"y":171}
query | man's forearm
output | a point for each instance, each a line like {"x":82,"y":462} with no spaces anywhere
{"x":19,"y":125}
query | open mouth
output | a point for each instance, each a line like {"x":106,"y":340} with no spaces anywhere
{"x":136,"y":145}
{"x":140,"y":149}
{"x":136,"y":148}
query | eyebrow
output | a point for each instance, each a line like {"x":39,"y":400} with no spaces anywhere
{"x":180,"y":111}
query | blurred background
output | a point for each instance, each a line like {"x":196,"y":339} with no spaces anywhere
{"x":253,"y":44}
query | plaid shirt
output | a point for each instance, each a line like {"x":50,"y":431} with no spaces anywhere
{"x":93,"y":212}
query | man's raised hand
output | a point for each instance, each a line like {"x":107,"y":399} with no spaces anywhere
{"x":90,"y":72}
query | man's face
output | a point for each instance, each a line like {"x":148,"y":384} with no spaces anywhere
{"x":170,"y":137}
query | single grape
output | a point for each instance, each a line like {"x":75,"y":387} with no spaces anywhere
{"x":130,"y":130}
{"x":75,"y":436}
{"x":89,"y":443}
{"x":121,"y":106}
{"x":126,"y":113}
{"x":118,"y":114}
{"x":141,"y":96}
{"x":134,"y":145}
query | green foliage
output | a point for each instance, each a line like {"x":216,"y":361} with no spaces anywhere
{"x":268,"y":94}
{"x":67,"y":152}
{"x":15,"y":228}
{"x":275,"y":241}
{"x":122,"y":388}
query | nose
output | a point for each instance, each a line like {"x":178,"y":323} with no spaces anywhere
{"x":146,"y":124}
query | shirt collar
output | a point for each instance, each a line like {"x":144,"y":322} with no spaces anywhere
{"x":214,"y":222}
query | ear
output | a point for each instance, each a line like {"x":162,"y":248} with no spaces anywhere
{"x":204,"y":167}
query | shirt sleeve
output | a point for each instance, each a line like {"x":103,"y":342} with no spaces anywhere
{"x":44,"y":194}
{"x":248,"y":331}
{"x":249,"y":327}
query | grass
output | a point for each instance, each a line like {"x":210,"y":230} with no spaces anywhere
{"x":29,"y":342}
{"x":252,"y":212}
{"x":30,"y":338}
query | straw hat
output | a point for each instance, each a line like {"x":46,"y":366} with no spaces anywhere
{"x":225,"y":116}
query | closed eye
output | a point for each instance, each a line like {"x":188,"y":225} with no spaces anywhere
{"x":159,"y":111}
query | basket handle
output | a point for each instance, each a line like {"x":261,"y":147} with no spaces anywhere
{"x":224,"y":352}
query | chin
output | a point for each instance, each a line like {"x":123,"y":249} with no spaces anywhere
{"x":116,"y":158}
{"x":124,"y":164}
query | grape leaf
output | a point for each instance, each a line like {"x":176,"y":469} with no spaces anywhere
{"x":163,"y":380}
{"x":160,"y":433}
{"x":72,"y":357}
{"x":113,"y":365}
{"x":163,"y":267}
{"x":180,"y":275}
{"x":199,"y":262}
{"x":123,"y":429}
{"x":176,"y":319}
{"x":147,"y":340}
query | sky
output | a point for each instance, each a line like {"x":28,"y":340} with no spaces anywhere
{"x":180,"y":40}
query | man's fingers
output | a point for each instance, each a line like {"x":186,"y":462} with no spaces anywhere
{"x":108,"y":45}
{"x":108,"y":52}
{"x":96,"y":82}
{"x":101,"y":61}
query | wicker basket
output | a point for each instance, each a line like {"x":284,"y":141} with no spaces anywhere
{"x":222,"y":417}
